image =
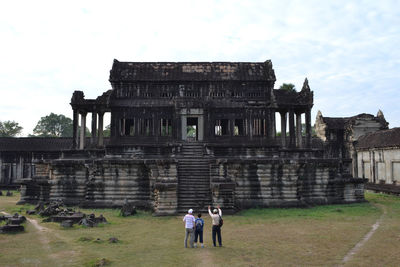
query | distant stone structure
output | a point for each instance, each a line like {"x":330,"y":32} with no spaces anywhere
{"x":18,"y":156}
{"x":192,"y":134}
{"x":378,"y":156}
{"x":341,"y":134}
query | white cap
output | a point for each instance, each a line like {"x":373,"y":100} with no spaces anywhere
{"x":215,"y":211}
{"x":190,"y":211}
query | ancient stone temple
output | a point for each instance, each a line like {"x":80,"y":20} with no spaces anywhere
{"x":192,"y":134}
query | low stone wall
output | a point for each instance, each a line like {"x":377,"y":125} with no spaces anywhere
{"x":234,"y":183}
{"x":107,"y":183}
{"x":239,"y":184}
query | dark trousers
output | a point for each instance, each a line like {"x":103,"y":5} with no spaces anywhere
{"x":198,"y":234}
{"x":216,"y":230}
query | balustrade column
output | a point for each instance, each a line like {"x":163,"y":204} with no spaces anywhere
{"x":292,"y":134}
{"x":83,"y":130}
{"x":94,"y":128}
{"x":308,"y":128}
{"x":283,"y":128}
{"x":299,"y":137}
{"x":100,"y":140}
{"x":75,"y":129}
{"x":272,"y":124}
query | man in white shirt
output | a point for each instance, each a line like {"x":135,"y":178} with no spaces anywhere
{"x":189,"y":228}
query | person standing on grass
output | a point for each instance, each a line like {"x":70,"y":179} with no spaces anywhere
{"x":216,"y":228}
{"x":198,"y":232}
{"x":189,"y":222}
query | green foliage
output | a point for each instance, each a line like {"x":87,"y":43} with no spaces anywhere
{"x":191,"y":131}
{"x":288,"y":87}
{"x":54,"y":125}
{"x":10,"y":129}
{"x":107,"y":131}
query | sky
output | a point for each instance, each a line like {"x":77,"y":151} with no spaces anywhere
{"x":348,"y":50}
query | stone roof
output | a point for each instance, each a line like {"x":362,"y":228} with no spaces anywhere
{"x":285,"y":96}
{"x":382,"y":138}
{"x":35,"y":143}
{"x":191,"y":71}
{"x":335,"y":123}
{"x":342,"y":122}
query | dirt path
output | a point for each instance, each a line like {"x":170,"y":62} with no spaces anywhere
{"x":44,"y":238}
{"x":364,"y":240}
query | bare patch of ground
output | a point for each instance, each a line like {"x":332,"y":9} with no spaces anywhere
{"x":364,"y":240}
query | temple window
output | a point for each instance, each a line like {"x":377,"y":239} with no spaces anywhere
{"x":259,"y":127}
{"x":166,"y":127}
{"x":127,"y":127}
{"x":166,"y":94}
{"x":238,"y":127}
{"x":145,"y":127}
{"x":222,"y":127}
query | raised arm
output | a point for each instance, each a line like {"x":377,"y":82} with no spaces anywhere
{"x":209,"y":211}
{"x":219,"y":211}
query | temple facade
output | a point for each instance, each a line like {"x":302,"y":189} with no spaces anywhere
{"x":192,"y":134}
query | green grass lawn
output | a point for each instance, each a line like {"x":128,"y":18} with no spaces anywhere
{"x":258,"y":237}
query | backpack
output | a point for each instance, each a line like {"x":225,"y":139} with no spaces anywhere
{"x":221,"y":222}
{"x":199,"y":225}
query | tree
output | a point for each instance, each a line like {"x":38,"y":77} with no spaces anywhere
{"x":288,"y":87}
{"x":10,"y":129}
{"x":54,"y":125}
{"x":107,"y":131}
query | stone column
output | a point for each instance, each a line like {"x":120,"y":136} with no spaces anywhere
{"x":20,"y":168}
{"x":308,"y":128}
{"x":283,"y":128}
{"x":200,"y":126}
{"x":83,"y":131}
{"x":299,"y":137}
{"x":100,"y":140}
{"x":94,"y":129}
{"x":184,"y":127}
{"x":292,"y":135}
{"x":13,"y":173}
{"x":272,"y":126}
{"x":75,"y":129}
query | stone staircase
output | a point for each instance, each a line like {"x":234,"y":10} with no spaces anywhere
{"x":193,"y":179}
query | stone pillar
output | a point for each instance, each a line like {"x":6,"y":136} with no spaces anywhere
{"x":184,"y":127}
{"x":83,"y":131}
{"x":94,"y":129}
{"x":13,"y":173}
{"x":272,"y":126}
{"x":100,"y":140}
{"x":308,"y":128}
{"x":299,"y":137}
{"x":283,"y":128}
{"x":75,"y":129}
{"x":200,"y":130}
{"x":20,"y":169}
{"x":292,"y":134}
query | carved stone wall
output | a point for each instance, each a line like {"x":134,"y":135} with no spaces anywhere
{"x":239,"y":184}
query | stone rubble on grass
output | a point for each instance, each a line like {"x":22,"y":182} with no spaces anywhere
{"x":113,"y":240}
{"x":128,"y":209}
{"x":13,"y":223}
{"x":30,"y":212}
{"x":67,"y":223}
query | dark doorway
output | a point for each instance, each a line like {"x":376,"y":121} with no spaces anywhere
{"x":192,"y":128}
